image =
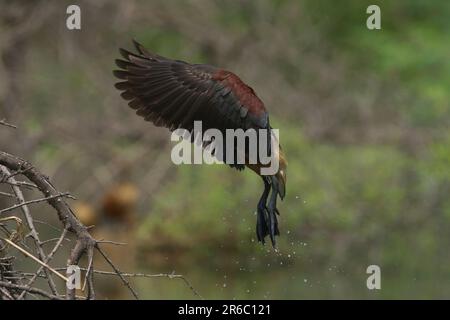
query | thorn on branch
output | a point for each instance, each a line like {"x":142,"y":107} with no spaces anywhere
{"x":66,"y":195}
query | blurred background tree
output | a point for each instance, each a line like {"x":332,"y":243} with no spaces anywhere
{"x":363,"y":115}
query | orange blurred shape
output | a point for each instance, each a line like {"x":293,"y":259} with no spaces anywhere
{"x":86,"y":213}
{"x":119,"y":202}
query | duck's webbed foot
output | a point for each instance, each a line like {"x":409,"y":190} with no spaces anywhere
{"x":266,"y":222}
{"x":272,"y":213}
{"x":262,"y":226}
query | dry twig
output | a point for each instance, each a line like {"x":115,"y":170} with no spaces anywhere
{"x":11,"y":286}
{"x":6,"y":124}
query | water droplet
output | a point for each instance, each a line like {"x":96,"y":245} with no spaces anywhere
{"x":224,"y":285}
{"x":305,"y":280}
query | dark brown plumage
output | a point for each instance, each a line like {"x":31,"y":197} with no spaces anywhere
{"x":174,"y":94}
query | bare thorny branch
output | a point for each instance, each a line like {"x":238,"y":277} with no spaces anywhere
{"x":16,"y":285}
{"x":10,"y":163}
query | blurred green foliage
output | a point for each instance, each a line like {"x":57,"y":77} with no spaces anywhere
{"x":347,"y":205}
{"x":413,"y":48}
